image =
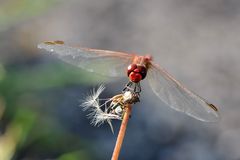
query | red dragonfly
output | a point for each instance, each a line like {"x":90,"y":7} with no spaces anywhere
{"x":119,"y":64}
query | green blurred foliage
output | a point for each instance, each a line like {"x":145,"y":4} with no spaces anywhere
{"x":28,"y":127}
{"x":27,"y":122}
{"x":13,"y":11}
{"x":74,"y":156}
{"x":45,"y":77}
{"x":2,"y":72}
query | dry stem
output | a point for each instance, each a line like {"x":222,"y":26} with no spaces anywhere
{"x":121,"y":132}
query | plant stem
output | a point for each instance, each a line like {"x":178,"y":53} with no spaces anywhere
{"x":121,"y":132}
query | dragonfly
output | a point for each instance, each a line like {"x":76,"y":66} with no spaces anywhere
{"x":119,"y":64}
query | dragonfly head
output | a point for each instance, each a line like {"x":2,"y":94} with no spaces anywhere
{"x":136,"y":73}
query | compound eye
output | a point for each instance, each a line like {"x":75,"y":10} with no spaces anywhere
{"x":142,"y":71}
{"x":131,"y":68}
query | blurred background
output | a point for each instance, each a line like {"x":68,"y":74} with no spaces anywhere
{"x":40,"y":118}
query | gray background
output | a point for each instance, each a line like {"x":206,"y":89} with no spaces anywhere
{"x":196,"y":41}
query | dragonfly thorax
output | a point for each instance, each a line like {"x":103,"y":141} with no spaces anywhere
{"x":136,"y":73}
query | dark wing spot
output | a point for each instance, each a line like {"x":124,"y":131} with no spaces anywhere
{"x":54,"y":42}
{"x":49,"y":43}
{"x":213,"y":107}
{"x":59,"y":42}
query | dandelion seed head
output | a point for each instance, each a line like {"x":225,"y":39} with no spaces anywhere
{"x":96,"y":114}
{"x":119,"y":110}
{"x":127,"y":96}
{"x":92,"y":100}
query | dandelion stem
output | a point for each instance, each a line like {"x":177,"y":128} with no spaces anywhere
{"x":121,"y":132}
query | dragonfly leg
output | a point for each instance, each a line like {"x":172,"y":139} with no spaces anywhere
{"x":132,"y":87}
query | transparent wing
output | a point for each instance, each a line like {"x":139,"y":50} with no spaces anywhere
{"x":178,"y":97}
{"x":108,"y":63}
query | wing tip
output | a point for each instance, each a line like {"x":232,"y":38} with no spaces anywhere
{"x":212,"y":106}
{"x":216,"y":113}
